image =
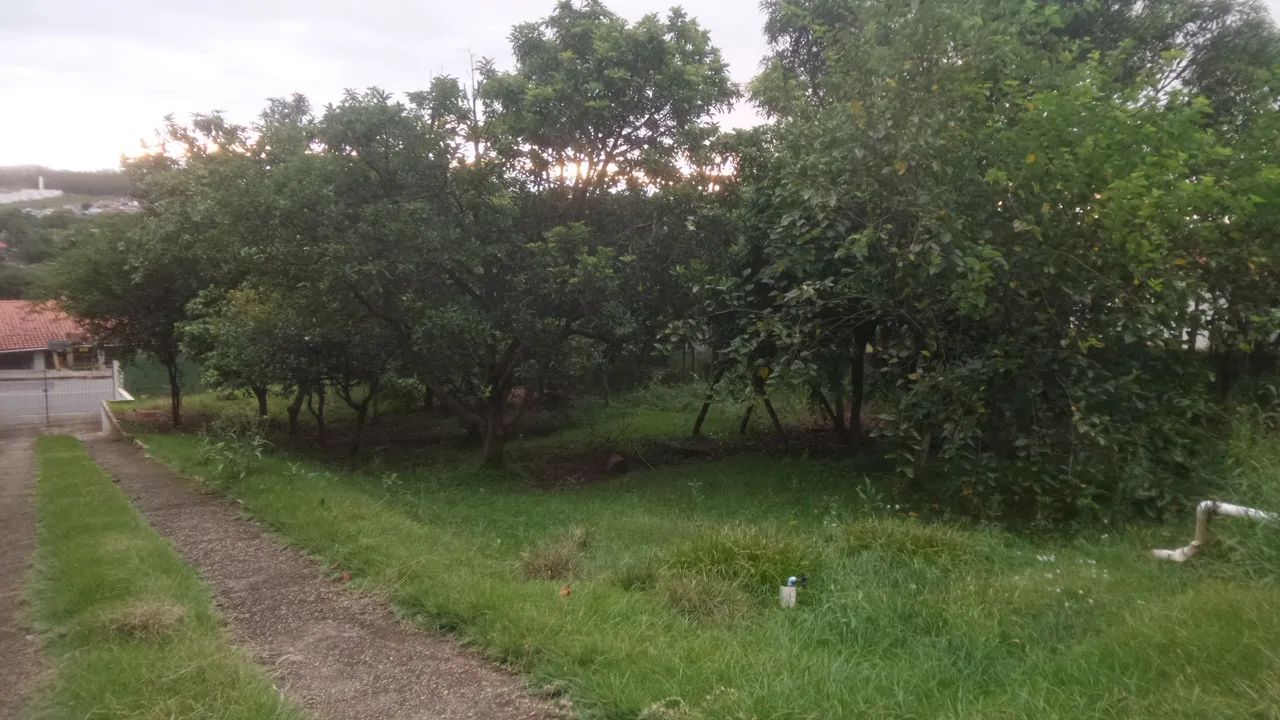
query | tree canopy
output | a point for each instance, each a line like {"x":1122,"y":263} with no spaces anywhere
{"x":1038,"y":238}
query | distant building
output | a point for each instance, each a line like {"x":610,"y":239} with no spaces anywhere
{"x":39,"y":193}
{"x":105,"y":206}
{"x":27,"y":195}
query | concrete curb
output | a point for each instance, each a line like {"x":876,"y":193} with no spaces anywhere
{"x":111,"y":426}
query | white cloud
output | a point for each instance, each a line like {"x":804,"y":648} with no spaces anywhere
{"x":83,"y":81}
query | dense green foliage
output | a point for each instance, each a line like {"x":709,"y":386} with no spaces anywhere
{"x":29,"y":242}
{"x":1036,"y":239}
{"x":131,"y":629}
{"x":475,"y":240}
{"x":129,"y":281}
{"x":1029,"y":219}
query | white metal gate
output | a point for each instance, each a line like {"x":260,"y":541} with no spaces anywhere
{"x":56,"y":398}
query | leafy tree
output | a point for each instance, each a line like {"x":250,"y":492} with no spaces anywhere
{"x":33,"y":240}
{"x":1232,"y":266}
{"x":257,"y":339}
{"x":1008,"y":199}
{"x":469,"y":224}
{"x":129,"y":283}
{"x":238,"y":341}
{"x":596,"y":104}
{"x":130,"y":278}
{"x":16,"y":282}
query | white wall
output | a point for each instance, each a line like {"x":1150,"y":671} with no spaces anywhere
{"x":28,"y":195}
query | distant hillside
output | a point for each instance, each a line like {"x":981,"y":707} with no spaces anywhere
{"x":73,"y":182}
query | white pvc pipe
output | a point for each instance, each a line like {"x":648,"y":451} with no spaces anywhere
{"x":1204,"y":512}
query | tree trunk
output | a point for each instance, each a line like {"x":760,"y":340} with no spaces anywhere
{"x":361,"y":407}
{"x":857,"y":376}
{"x":746,"y":419}
{"x":494,"y":447}
{"x":428,"y":400}
{"x":1228,"y":374}
{"x":706,"y":403}
{"x":837,"y":395}
{"x":260,"y":392}
{"x":495,"y":438}
{"x":923,"y":456}
{"x":175,"y":392}
{"x":702,"y":415}
{"x":1193,"y":326}
{"x":317,"y":412}
{"x":295,"y":408}
{"x":357,"y":445}
{"x":834,"y":415}
{"x":777,"y":424}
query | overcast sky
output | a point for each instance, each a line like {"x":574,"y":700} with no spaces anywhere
{"x":82,"y":81}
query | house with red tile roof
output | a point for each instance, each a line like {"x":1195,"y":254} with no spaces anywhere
{"x":51,"y":371}
{"x":27,"y":326}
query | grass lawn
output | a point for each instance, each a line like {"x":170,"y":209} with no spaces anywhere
{"x":129,"y":626}
{"x":673,"y":577}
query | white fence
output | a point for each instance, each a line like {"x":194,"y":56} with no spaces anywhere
{"x":57,"y":398}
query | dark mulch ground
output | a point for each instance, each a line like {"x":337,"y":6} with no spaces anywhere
{"x":558,"y":470}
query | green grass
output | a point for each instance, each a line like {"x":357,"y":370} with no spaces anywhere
{"x":1252,"y":476}
{"x":674,"y":576}
{"x":129,"y":626}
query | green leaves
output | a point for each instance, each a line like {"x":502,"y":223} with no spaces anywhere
{"x":1010,"y":193}
{"x":605,"y":98}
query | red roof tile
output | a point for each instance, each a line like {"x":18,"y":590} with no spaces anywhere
{"x":28,"y":326}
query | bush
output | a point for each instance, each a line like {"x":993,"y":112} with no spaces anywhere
{"x":755,"y":560}
{"x":16,"y":282}
{"x":636,"y":574}
{"x":145,"y":619}
{"x":232,"y":444}
{"x":399,"y":395}
{"x":704,"y":598}
{"x":559,"y":559}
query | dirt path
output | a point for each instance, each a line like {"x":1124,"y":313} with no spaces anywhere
{"x":19,"y":652}
{"x":338,"y":653}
